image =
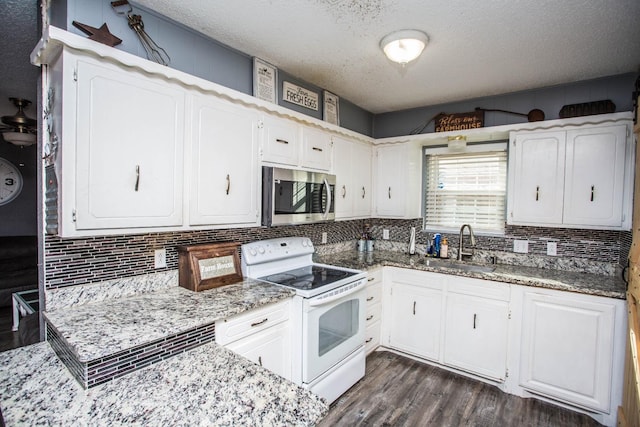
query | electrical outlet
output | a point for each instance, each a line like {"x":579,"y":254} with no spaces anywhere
{"x":552,"y":248}
{"x":521,"y":246}
{"x":385,"y":234}
{"x":160,"y":258}
{"x":324,"y":237}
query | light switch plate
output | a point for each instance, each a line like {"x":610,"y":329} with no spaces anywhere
{"x":521,"y":246}
{"x":160,"y":258}
{"x":324,"y":237}
{"x":552,"y":248}
{"x":385,"y":234}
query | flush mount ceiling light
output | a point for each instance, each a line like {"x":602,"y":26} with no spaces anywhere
{"x":19,"y":129}
{"x":404,"y":46}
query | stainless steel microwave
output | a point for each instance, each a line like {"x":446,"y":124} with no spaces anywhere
{"x":296,"y":197}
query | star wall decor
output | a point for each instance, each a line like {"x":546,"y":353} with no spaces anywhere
{"x":101,"y":35}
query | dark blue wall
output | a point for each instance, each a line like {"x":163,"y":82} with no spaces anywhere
{"x":550,"y":100}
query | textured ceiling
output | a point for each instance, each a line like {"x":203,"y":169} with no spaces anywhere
{"x":476,"y":48}
{"x":18,"y":36}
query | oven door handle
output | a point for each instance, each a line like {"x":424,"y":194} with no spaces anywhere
{"x":314,"y":302}
{"x":328,"y":207}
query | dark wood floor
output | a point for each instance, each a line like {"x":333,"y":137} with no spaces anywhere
{"x":398,"y":391}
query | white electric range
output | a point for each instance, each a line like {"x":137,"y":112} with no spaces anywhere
{"x":328,"y":319}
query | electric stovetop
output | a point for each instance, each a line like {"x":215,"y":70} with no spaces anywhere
{"x":309,"y":277}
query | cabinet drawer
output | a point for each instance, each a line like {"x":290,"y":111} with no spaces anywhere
{"x":480,"y":288}
{"x":374,"y":294}
{"x":374,"y":276}
{"x":374,"y":312}
{"x":242,"y":325}
{"x":418,"y":278}
{"x":372,"y":337}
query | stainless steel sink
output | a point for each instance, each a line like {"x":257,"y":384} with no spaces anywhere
{"x":458,"y":265}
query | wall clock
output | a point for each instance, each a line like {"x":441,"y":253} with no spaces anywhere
{"x":10,"y":181}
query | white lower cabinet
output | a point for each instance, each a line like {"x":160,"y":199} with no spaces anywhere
{"x":415,"y":313}
{"x":373,"y":319}
{"x":567,"y":348}
{"x":475,"y":337}
{"x":262,"y":335}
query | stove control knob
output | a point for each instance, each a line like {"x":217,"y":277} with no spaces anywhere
{"x":304,"y":242}
{"x":252,"y":252}
{"x":309,"y":242}
{"x":261,"y":249}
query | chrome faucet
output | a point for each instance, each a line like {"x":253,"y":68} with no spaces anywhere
{"x":461,"y":246}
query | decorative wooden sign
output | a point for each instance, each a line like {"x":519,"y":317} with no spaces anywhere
{"x":208,"y":266}
{"x":459,"y":121}
{"x":299,"y":96}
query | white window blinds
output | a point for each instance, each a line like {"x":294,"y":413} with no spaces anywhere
{"x":468,"y":188}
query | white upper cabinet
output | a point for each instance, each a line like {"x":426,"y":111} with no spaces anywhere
{"x":580,"y":178}
{"x":397,"y":181}
{"x":316,"y":148}
{"x":594,"y":176}
{"x":223,"y":163}
{"x":537,"y":178}
{"x":281,"y":141}
{"x":352,"y":167}
{"x":128,"y":140}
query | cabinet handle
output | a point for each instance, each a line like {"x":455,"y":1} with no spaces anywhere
{"x":371,"y":279}
{"x":260,"y":360}
{"x":363,"y":192}
{"x":260,"y":322}
{"x":369,"y":299}
{"x":344,"y":191}
{"x":537,"y":193}
{"x":316,"y":149}
{"x":370,"y":317}
{"x":389,"y":192}
{"x":137,"y":177}
{"x":593,"y":187}
{"x":474,"y":320}
{"x":282,"y":141}
{"x":414,"y":307}
{"x":228,"y":184}
{"x":369,"y":340}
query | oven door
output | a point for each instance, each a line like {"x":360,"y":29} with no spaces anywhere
{"x":334,"y":328}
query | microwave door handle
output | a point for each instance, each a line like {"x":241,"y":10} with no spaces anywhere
{"x":328,"y":207}
{"x":313,"y":302}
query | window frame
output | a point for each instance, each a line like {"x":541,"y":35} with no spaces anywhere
{"x":479,"y":147}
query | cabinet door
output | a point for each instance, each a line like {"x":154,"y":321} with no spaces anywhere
{"x":316,"y":149}
{"x":270,"y":348}
{"x":130,"y":135}
{"x":476,"y":335}
{"x":390,"y":189}
{"x":415,"y":320}
{"x":536,"y":166}
{"x":567,"y":347}
{"x":344,"y":171}
{"x":224,"y":167}
{"x":594,"y":181}
{"x":281,"y":141}
{"x":361,"y":179}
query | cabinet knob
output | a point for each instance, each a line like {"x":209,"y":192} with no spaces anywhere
{"x":137,"y":177}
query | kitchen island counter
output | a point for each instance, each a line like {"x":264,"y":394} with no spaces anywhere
{"x":585,"y":283}
{"x":208,"y":385}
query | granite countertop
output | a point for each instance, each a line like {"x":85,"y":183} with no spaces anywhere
{"x":96,"y":330}
{"x":585,"y":283}
{"x":209,"y":385}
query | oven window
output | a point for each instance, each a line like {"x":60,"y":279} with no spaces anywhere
{"x":338,"y":325}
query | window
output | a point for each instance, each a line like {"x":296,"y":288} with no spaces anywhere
{"x":466,"y":188}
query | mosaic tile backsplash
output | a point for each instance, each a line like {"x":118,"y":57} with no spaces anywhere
{"x":70,"y":262}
